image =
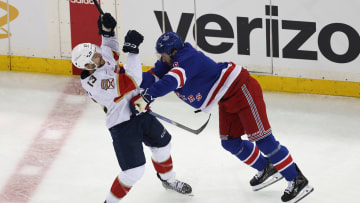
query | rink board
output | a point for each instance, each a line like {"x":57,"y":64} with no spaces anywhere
{"x":310,"y":51}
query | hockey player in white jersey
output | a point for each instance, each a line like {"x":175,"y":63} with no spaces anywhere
{"x":112,"y":87}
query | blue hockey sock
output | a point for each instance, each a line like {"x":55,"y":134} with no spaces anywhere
{"x":279,"y":156}
{"x":246,"y":152}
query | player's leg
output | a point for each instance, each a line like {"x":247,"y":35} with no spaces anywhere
{"x":158,"y":139}
{"x":123,"y":183}
{"x":235,"y":120}
{"x":127,"y":142}
{"x":298,"y":184}
{"x":246,"y":151}
{"x":254,"y":119}
{"x":297,"y":189}
{"x":230,"y":133}
{"x":259,"y":131}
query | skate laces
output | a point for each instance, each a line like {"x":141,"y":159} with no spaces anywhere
{"x":290,"y":187}
{"x":259,"y":174}
{"x":177,"y":185}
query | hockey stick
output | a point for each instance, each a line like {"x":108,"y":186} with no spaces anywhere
{"x":98,"y":7}
{"x":196,"y":131}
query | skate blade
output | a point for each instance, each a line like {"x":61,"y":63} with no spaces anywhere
{"x":304,"y":192}
{"x":273,"y":179}
{"x":174,"y":191}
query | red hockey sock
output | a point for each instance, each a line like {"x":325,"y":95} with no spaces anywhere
{"x":118,"y":189}
{"x":163,"y":167}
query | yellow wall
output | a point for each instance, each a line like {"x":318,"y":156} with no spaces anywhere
{"x":4,"y":62}
{"x":313,"y":86}
{"x":269,"y":83}
{"x":41,"y":65}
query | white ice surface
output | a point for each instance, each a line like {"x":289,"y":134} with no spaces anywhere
{"x":321,"y":132}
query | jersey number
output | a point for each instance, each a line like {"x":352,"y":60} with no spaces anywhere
{"x":91,"y":81}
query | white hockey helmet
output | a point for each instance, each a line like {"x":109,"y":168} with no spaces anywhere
{"x":82,"y":54}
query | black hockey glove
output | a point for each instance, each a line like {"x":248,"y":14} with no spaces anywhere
{"x":132,"y":41}
{"x":106,"y":25}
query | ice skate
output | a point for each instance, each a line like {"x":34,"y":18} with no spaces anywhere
{"x":297,"y":189}
{"x":176,"y":185}
{"x":265,"y":177}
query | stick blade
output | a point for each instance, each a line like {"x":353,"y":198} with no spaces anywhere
{"x":198,"y":131}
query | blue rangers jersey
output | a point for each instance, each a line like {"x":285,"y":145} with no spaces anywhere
{"x":195,"y":78}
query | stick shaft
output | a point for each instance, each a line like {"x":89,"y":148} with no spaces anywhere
{"x":98,"y":7}
{"x":195,"y":131}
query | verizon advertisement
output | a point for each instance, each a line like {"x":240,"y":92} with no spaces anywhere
{"x":285,"y":38}
{"x":83,"y":18}
{"x":303,"y":39}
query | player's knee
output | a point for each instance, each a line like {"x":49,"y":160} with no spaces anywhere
{"x":160,"y":154}
{"x":233,"y":145}
{"x":131,"y":176}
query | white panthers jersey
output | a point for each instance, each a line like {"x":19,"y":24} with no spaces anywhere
{"x":113,"y":86}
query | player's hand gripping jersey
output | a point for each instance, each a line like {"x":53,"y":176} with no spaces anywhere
{"x":195,"y":78}
{"x":113,"y":86}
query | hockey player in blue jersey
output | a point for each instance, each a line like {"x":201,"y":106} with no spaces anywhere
{"x":202,"y":83}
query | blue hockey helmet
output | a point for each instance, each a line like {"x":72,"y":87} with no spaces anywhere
{"x":169,"y":41}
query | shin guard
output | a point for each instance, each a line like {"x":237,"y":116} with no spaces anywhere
{"x":123,"y":183}
{"x":279,"y":156}
{"x":118,"y":191}
{"x":246,"y":151}
{"x":162,"y":161}
{"x":164,"y":169}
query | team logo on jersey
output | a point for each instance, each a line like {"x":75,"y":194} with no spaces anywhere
{"x":107,"y":84}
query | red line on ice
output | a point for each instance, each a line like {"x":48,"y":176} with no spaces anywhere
{"x":43,"y":151}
